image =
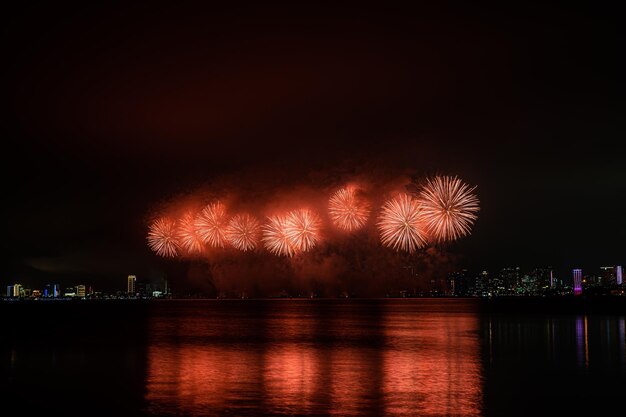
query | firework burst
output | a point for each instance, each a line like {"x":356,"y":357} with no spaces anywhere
{"x":275,"y":237}
{"x":188,"y":236}
{"x":449,"y":207}
{"x":211,"y":224}
{"x":401,"y":224}
{"x":347,"y":210}
{"x":243,"y":232}
{"x":303,"y":229}
{"x":162,"y":237}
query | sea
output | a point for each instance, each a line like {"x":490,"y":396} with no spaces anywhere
{"x":311,"y":357}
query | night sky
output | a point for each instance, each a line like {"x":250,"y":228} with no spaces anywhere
{"x":112,"y":110}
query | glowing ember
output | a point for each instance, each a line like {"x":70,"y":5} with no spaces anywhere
{"x":347,"y":210}
{"x":449,"y":208}
{"x":303,"y":229}
{"x":162,"y":237}
{"x":211,"y":224}
{"x":401,"y":224}
{"x":243,"y":232}
{"x":188,"y":236}
{"x":275,"y":237}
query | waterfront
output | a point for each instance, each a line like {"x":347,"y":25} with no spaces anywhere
{"x":309,"y":357}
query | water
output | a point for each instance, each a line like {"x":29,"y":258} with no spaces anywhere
{"x":425,"y":357}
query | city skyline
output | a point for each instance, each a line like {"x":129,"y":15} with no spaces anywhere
{"x":309,"y":208}
{"x":470,"y":93}
{"x":507,"y":281}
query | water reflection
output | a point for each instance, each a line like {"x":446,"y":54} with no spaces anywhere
{"x":317,"y":358}
{"x":552,"y":364}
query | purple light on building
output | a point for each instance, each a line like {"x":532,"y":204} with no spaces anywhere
{"x":618,"y":274}
{"x":578,"y":281}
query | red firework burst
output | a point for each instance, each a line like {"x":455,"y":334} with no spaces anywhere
{"x":347,"y":210}
{"x":211,"y":224}
{"x":188,"y":236}
{"x":303,"y":229}
{"x":275,"y":237}
{"x":243,"y":232}
{"x":162,"y":237}
{"x":449,"y":208}
{"x":401,"y":224}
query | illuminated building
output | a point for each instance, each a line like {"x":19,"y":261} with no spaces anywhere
{"x":36,"y":293}
{"x":132,"y":280}
{"x":510,"y":278}
{"x":461,"y":284}
{"x":17,"y":290}
{"x":542,"y":278}
{"x":80,"y":291}
{"x":608,"y":276}
{"x":482,"y":284}
{"x":578,"y":281}
{"x":9,"y":290}
{"x":618,"y":274}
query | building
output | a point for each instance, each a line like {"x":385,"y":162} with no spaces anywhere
{"x":542,"y":278}
{"x":17,"y":290}
{"x":528,"y":284}
{"x":483,"y":284}
{"x":618,"y":275}
{"x":9,"y":290}
{"x":510,"y":278}
{"x":51,"y":290}
{"x":461,"y":284}
{"x":80,"y":291}
{"x":608,"y":276}
{"x":132,"y":281}
{"x":578,"y":281}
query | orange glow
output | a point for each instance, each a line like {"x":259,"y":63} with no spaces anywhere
{"x":397,"y":364}
{"x":436,"y":370}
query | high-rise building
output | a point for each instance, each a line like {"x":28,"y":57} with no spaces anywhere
{"x":542,"y":278}
{"x":578,"y":281}
{"x":608,"y":276}
{"x":9,"y":290}
{"x":510,"y":278}
{"x":618,"y":274}
{"x":461,"y":284}
{"x":482,"y":284}
{"x":80,"y":291}
{"x":17,"y":290}
{"x":132,"y":281}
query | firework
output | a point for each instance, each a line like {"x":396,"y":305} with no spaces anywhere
{"x":347,"y":210}
{"x":401,"y":224}
{"x":303,"y":229}
{"x":188,"y":236}
{"x":162,"y":237}
{"x":211,"y":224}
{"x":243,"y":232}
{"x":275,"y":236}
{"x":449,"y":207}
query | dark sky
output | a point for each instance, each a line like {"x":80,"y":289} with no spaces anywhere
{"x":112,"y":109}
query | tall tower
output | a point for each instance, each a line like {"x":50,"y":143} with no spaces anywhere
{"x":132,"y":280}
{"x":618,"y":274}
{"x":17,"y":290}
{"x":578,"y":281}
